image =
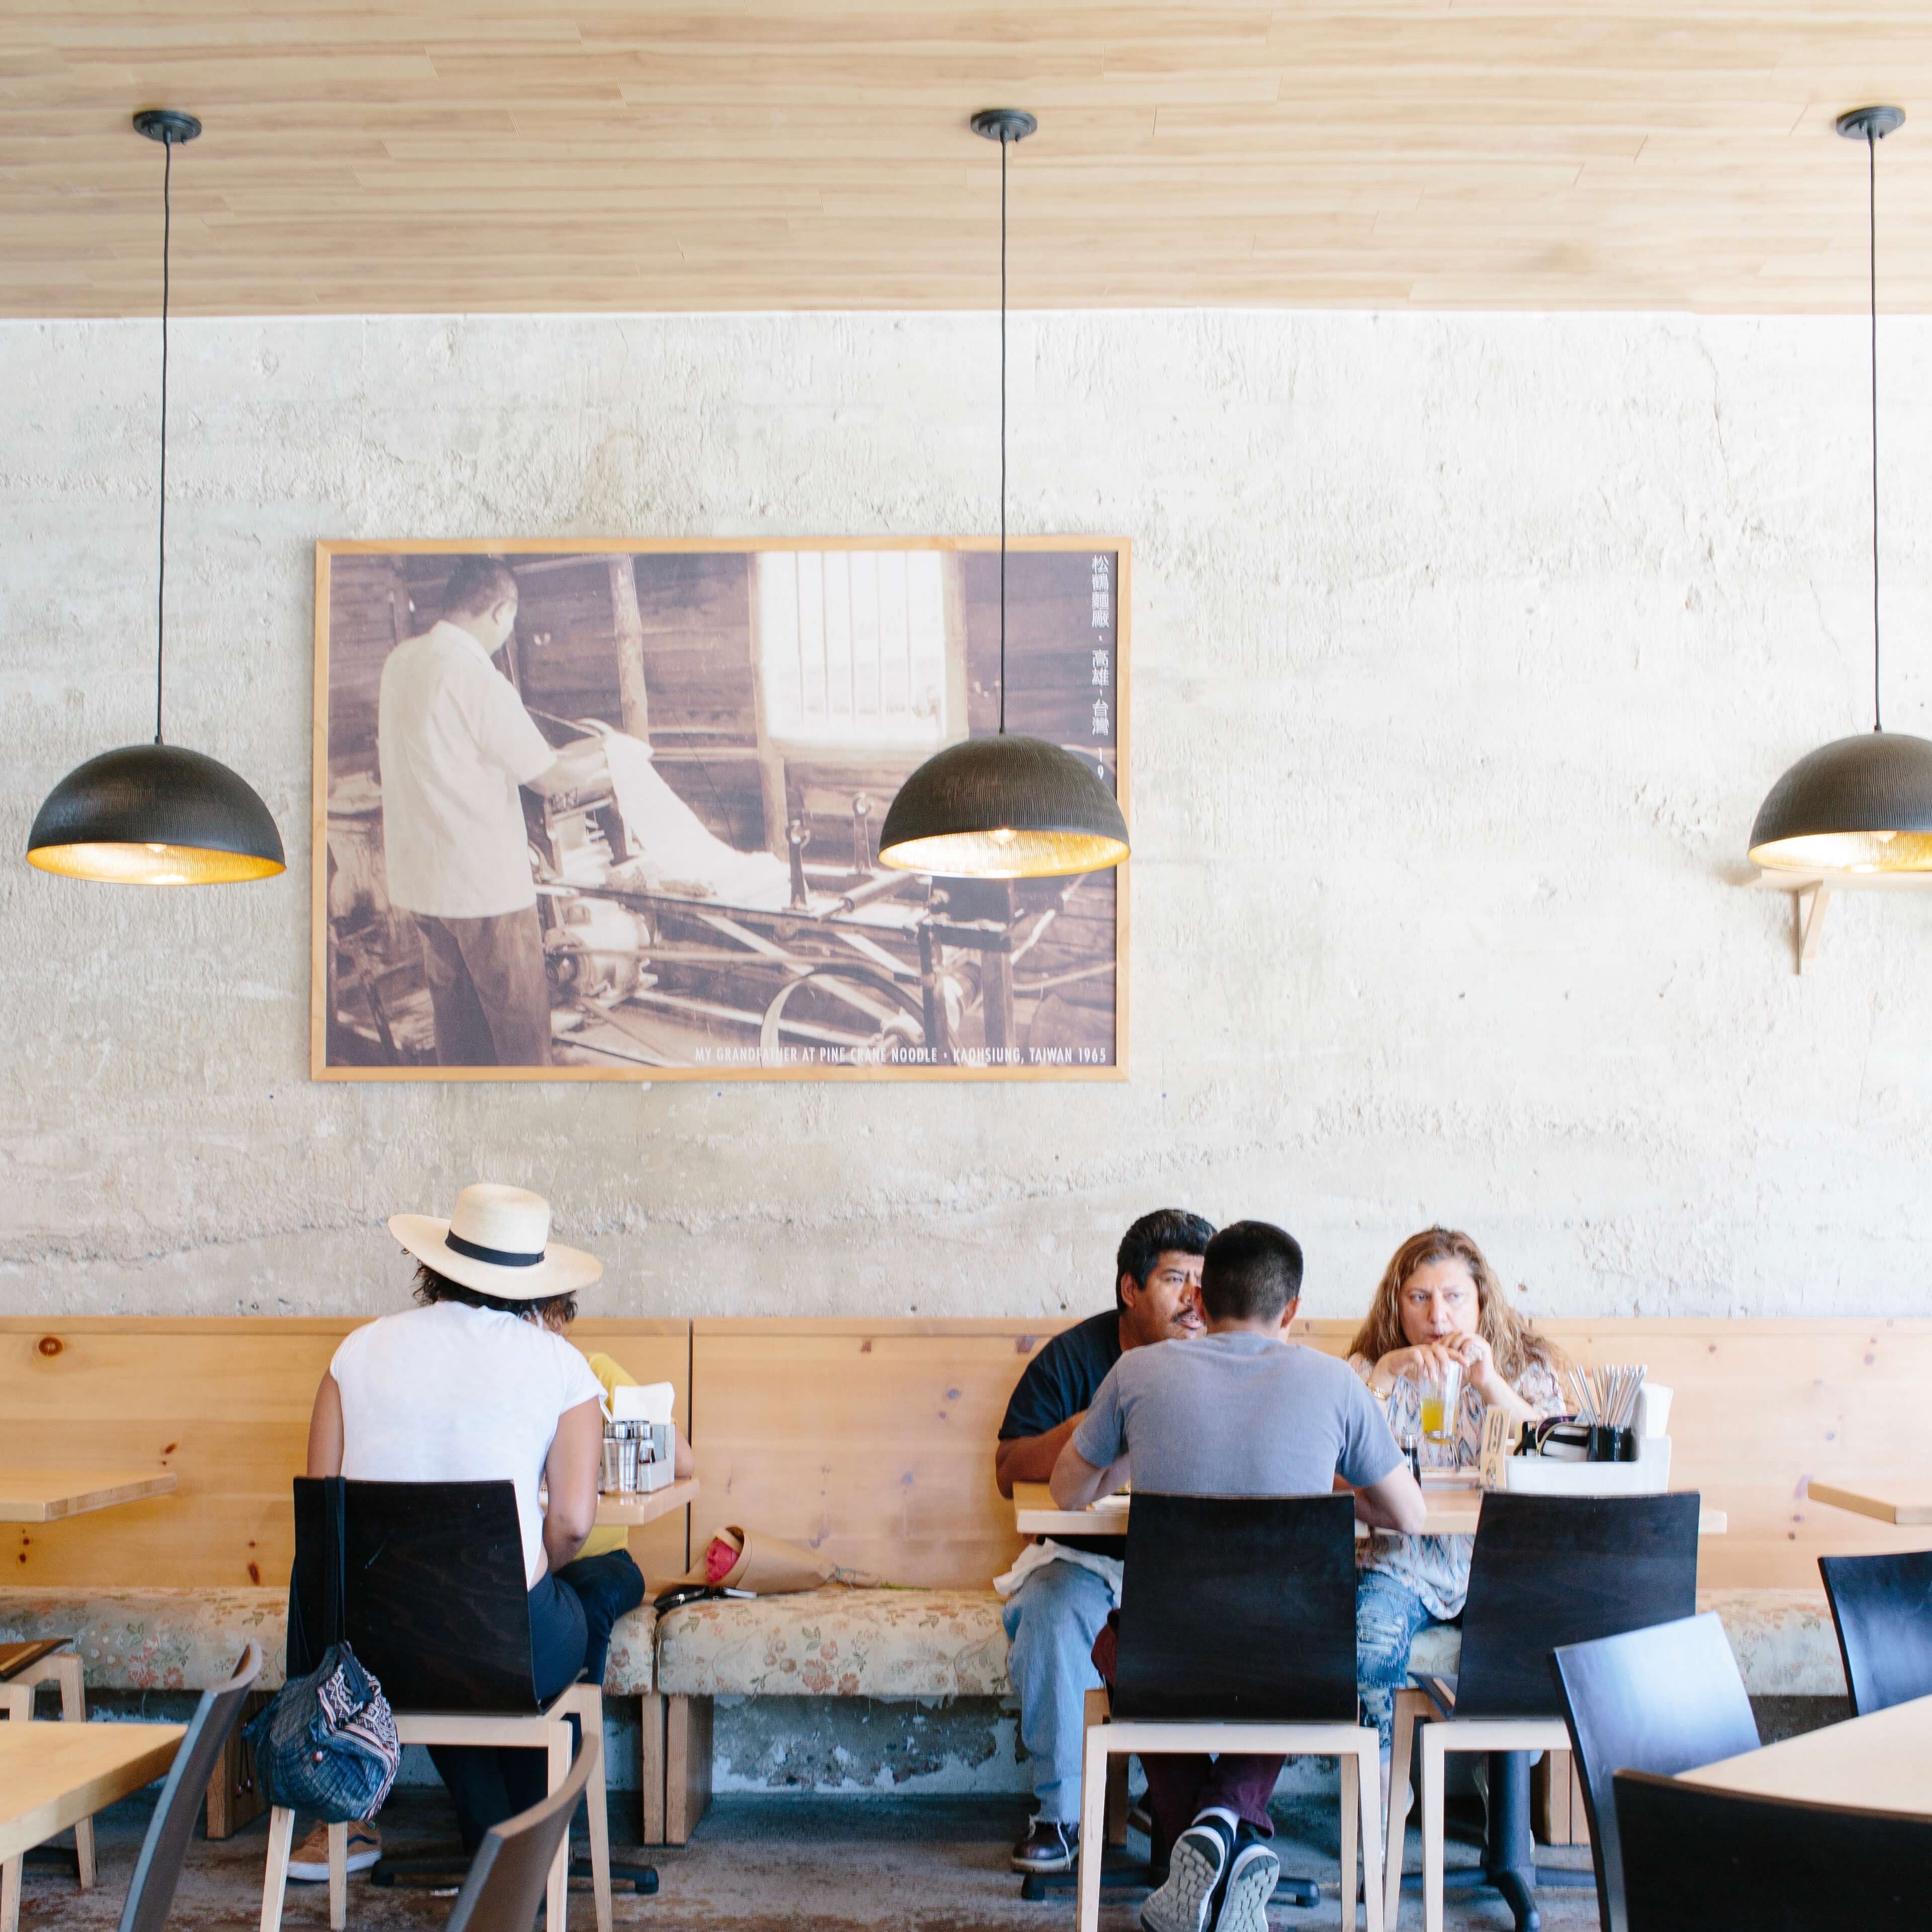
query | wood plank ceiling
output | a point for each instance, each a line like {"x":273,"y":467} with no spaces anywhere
{"x":551,"y":155}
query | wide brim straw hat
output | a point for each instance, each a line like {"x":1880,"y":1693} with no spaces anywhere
{"x":497,"y":1241}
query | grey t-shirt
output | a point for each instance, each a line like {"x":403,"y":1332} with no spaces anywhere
{"x":1236,"y":1414}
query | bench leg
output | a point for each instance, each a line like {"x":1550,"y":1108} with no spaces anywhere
{"x":589,"y":1701}
{"x":651,"y":1767}
{"x":687,"y":1766}
{"x":1366,"y":1772}
{"x":235,"y":1794}
{"x":275,"y":1877}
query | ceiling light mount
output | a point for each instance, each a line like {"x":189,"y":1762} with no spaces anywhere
{"x":1869,"y":124}
{"x":168,"y":125}
{"x":1015,"y":123}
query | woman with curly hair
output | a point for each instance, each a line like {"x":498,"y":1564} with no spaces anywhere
{"x":1438,"y":1302}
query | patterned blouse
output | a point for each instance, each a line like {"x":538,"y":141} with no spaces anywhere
{"x":1436,"y":1568}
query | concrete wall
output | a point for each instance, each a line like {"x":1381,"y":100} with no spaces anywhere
{"x":1464,"y":649}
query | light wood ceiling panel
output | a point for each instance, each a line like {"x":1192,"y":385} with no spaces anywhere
{"x":551,"y":155}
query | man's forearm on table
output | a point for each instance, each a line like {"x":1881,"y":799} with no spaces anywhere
{"x":1030,"y":1459}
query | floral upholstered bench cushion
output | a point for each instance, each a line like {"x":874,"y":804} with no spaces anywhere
{"x":186,"y":1639}
{"x":1784,"y":1640}
{"x":154,"y":1639}
{"x":838,"y":1642}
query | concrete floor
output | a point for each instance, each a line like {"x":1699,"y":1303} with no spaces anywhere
{"x":803,"y":1864}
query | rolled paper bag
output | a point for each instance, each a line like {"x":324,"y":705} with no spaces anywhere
{"x":768,"y":1566}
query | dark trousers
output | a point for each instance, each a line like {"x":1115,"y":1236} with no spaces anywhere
{"x":490,"y":1784}
{"x":607,"y":1586}
{"x":1182,"y":1785}
{"x":488,"y":989}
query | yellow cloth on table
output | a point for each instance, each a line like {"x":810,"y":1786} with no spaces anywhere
{"x":613,"y":1376}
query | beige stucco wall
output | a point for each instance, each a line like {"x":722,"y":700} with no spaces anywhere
{"x":1463,"y":650}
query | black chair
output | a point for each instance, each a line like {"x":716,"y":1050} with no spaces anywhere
{"x":383,"y":1563}
{"x":1237,"y":1634}
{"x":506,"y":1879}
{"x":1665,"y":1699}
{"x":1699,"y":1860}
{"x":1546,"y":1571}
{"x":1882,"y":1608}
{"x":158,"y":1870}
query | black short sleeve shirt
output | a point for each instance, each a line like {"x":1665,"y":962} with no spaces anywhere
{"x":1064,"y":1378}
{"x":1061,"y":1381}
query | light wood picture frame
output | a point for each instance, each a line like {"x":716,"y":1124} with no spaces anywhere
{"x":734,"y":717}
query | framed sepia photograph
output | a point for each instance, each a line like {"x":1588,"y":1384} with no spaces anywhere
{"x":604,"y":809}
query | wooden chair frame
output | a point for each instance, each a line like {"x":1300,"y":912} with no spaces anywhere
{"x":547,"y":1730}
{"x":16,"y":1699}
{"x":1440,"y":1735}
{"x":1107,"y":1739}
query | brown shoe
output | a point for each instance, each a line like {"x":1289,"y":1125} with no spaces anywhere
{"x":1048,"y":1848}
{"x":309,"y":1863}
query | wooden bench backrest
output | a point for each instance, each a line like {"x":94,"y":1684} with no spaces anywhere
{"x":224,"y":1404}
{"x":872,"y":1441}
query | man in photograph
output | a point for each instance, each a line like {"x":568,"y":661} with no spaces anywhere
{"x":455,"y":743}
{"x":1064,"y":1587}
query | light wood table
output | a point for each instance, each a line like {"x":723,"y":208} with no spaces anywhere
{"x":1453,"y":1511}
{"x":644,"y":1506}
{"x":1888,"y":1502}
{"x":1881,"y":1762}
{"x":53,"y":1775}
{"x":46,"y":1496}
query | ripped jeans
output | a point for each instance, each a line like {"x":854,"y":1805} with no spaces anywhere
{"x":1388,"y":1614}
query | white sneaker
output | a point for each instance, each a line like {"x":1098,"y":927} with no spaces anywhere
{"x":1194,"y":1869}
{"x":309,"y":1863}
{"x":1251,"y":1879}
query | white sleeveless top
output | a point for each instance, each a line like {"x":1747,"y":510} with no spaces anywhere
{"x":452,"y":1394}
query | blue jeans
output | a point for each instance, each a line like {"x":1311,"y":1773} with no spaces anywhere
{"x":1051,"y":1621}
{"x":1388,"y":1615}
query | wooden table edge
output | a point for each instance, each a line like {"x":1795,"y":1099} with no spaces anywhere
{"x":648,"y":1506}
{"x":26,"y":1829}
{"x":112,"y":1487}
{"x":1860,"y":1504}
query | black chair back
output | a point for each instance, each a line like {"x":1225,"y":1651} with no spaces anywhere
{"x":1882,"y":1606}
{"x":1665,"y":1699}
{"x":1239,"y":1607}
{"x":151,"y":1893}
{"x":505,"y":1882}
{"x":1697,"y":1860}
{"x":432,"y":1595}
{"x":1549,"y":1570}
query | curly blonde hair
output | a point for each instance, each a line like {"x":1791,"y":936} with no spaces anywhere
{"x":1514,"y":1343}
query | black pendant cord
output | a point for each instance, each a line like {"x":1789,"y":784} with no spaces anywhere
{"x":1871,"y":163}
{"x":161,"y":564}
{"x":1004,"y":144}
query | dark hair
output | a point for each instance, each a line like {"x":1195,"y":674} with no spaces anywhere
{"x":550,"y":1311}
{"x":1166,"y":1231}
{"x":477,"y":584}
{"x":1251,"y":1272}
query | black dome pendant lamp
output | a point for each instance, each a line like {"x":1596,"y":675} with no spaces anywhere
{"x":1862,"y":804}
{"x":157,"y":815}
{"x":1007,"y":807}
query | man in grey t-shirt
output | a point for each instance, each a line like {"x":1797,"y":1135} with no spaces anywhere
{"x":1241,"y":1411}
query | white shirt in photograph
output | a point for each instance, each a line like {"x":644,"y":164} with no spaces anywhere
{"x":455,"y":743}
{"x":453,"y":1394}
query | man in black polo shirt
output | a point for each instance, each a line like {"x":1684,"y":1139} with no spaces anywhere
{"x":1054,"y":1616}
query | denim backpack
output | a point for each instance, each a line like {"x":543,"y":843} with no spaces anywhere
{"x":328,"y":1745}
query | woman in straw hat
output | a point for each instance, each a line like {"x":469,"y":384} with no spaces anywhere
{"x":477,"y":1383}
